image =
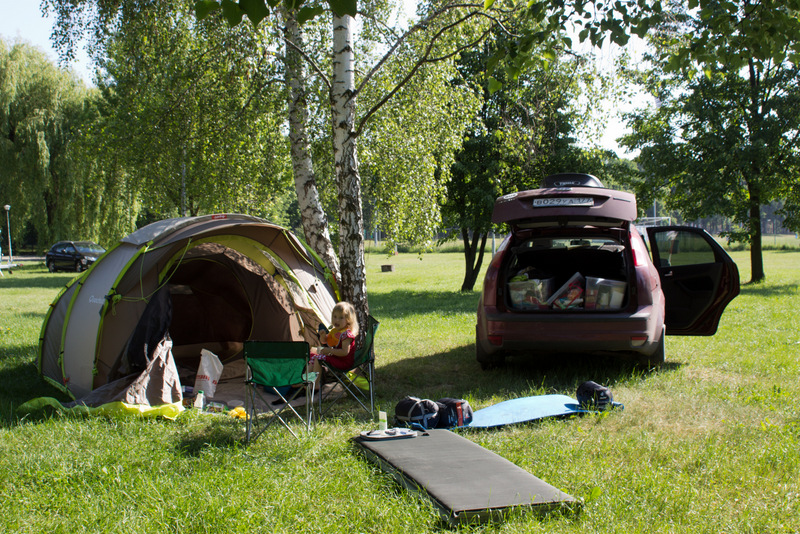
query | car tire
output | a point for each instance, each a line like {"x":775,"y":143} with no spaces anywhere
{"x":656,"y":359}
{"x":51,"y":266}
{"x":78,"y":267}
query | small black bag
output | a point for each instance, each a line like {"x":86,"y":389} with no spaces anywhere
{"x":454,"y":413}
{"x":593,"y":396}
{"x":413,"y":411}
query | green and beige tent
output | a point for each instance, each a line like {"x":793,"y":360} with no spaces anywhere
{"x":209,"y":282}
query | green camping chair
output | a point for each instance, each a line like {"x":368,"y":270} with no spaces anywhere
{"x":273,"y":366}
{"x":360,"y":387}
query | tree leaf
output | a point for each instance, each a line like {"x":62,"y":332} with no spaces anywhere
{"x":204,"y":8}
{"x":494,"y":85}
{"x":307,"y":13}
{"x":232,"y":13}
{"x":344,"y":7}
{"x":256,"y":10}
{"x":487,"y":4}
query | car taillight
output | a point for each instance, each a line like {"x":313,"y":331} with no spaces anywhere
{"x":639,"y":251}
{"x":495,"y":340}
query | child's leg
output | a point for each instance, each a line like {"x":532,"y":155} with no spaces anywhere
{"x":315,"y":367}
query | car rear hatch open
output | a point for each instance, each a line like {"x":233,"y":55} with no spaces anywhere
{"x":565,"y":205}
{"x":570,"y":250}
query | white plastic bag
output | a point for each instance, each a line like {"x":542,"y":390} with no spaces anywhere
{"x":208,"y":373}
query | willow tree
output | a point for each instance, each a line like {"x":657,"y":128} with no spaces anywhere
{"x":44,"y":114}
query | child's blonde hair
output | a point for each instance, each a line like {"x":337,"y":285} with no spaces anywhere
{"x":349,"y":313}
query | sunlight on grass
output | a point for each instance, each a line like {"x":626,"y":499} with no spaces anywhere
{"x":708,"y":443}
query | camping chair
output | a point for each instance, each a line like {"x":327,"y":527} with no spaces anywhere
{"x":363,"y":361}
{"x":273,"y":366}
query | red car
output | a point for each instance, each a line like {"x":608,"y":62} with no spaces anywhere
{"x":576,"y":276}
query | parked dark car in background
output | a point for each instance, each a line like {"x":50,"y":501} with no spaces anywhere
{"x":72,"y":256}
{"x":575,"y":275}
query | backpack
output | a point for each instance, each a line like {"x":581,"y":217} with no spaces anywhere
{"x":416,"y":412}
{"x":454,"y":413}
{"x":593,"y":396}
{"x":427,"y":414}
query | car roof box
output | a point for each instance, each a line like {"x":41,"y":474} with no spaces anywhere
{"x":571,"y":179}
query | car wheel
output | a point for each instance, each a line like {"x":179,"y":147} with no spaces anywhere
{"x":51,"y":266}
{"x":488,"y":361}
{"x":656,"y":359}
{"x":78,"y":267}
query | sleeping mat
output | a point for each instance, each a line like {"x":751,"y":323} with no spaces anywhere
{"x":465,"y":481}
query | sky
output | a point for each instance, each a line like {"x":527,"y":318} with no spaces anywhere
{"x":22,"y":20}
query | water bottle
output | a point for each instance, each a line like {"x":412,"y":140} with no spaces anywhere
{"x":199,"y":400}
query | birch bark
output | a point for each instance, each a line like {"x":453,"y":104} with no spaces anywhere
{"x":315,"y":222}
{"x":343,"y":109}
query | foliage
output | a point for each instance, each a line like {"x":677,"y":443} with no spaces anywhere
{"x":196,"y":122}
{"x":407,"y":151}
{"x":49,"y":169}
{"x":722,"y":143}
{"x":594,"y":21}
{"x":731,"y":35}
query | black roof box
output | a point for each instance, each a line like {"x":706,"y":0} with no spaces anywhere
{"x":571,"y":179}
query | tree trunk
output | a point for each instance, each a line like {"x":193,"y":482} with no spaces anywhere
{"x":315,"y":222}
{"x":756,"y":256}
{"x":471,"y":250}
{"x":755,"y":125}
{"x":351,"y":231}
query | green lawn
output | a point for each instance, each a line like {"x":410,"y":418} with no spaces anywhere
{"x":709,"y":443}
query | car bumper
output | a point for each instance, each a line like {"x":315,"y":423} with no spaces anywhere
{"x":638,"y":332}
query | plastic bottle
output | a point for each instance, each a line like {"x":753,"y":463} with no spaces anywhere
{"x":199,"y":400}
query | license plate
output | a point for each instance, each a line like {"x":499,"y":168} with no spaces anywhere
{"x":562,"y":201}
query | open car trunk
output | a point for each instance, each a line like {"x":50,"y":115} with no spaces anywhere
{"x":569,"y":270}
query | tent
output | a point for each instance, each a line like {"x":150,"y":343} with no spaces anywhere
{"x":209,"y":282}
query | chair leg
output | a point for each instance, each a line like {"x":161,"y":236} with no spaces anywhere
{"x":354,"y":391}
{"x":371,"y":374}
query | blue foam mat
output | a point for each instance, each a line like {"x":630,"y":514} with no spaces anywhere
{"x":525,"y":409}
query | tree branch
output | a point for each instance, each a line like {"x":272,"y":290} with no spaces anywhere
{"x":423,"y":60}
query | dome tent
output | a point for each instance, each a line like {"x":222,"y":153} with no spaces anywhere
{"x":220,"y":279}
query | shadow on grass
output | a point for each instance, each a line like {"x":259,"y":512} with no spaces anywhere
{"x":455,"y":373}
{"x":759,"y":289}
{"x":402,"y":303}
{"x":219,"y":432}
{"x":22,"y":383}
{"x":45,"y":281}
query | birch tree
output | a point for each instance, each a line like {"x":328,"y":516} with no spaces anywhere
{"x":315,"y":220}
{"x":447,"y":30}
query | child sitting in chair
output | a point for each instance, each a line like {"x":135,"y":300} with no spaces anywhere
{"x":339,"y":347}
{"x":340,"y":342}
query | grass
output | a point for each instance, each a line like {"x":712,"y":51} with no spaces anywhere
{"x":708,"y":443}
